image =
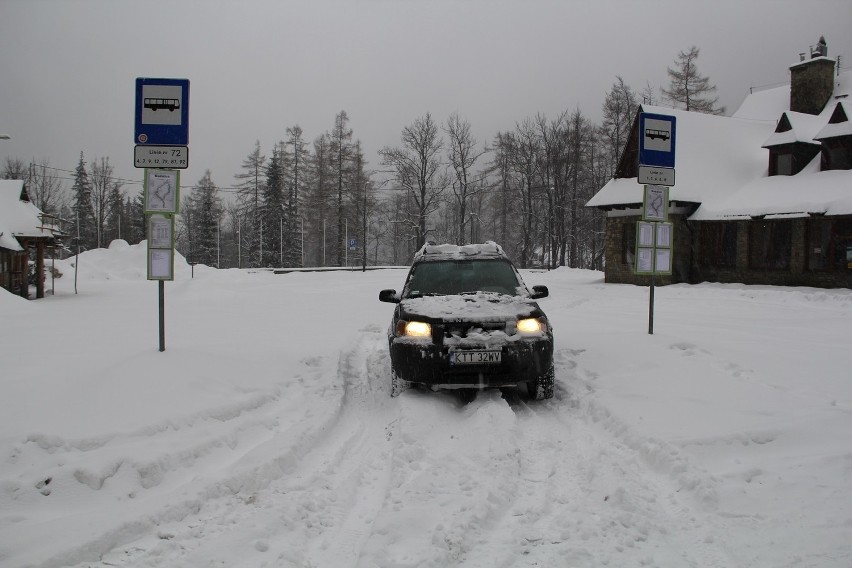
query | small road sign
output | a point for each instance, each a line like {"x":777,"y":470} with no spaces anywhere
{"x":655,"y":203}
{"x":172,"y":157}
{"x":656,"y":140}
{"x":162,"y":112}
{"x":161,"y":191}
{"x":656,"y":176}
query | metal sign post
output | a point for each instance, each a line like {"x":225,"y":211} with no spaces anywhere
{"x":654,"y":241}
{"x":161,"y":136}
{"x":654,"y":236}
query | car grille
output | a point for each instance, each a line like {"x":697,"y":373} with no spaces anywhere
{"x":462,"y":329}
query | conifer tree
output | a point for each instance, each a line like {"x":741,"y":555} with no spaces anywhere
{"x":318,"y":200}
{"x":84,"y":220}
{"x":115,"y":226}
{"x":688,"y":89}
{"x":249,"y":196}
{"x":207,"y":214}
{"x":136,"y":213}
{"x":296,"y":176}
{"x":341,"y":150}
{"x":273,"y":210}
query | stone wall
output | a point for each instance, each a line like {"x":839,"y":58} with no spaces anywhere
{"x":686,"y":270}
{"x":811,"y":85}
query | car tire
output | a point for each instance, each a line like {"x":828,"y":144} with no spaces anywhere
{"x":542,"y":387}
{"x":397,"y":384}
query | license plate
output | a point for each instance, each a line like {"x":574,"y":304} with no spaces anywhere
{"x":475,"y":357}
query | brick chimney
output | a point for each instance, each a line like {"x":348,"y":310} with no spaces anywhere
{"x":812,"y":81}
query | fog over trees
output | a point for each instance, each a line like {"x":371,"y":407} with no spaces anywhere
{"x":318,"y":202}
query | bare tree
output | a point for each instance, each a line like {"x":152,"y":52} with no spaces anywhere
{"x":44,"y":187}
{"x":551,"y":163}
{"x":463,"y":155}
{"x":14,"y":168}
{"x":688,"y":89}
{"x":102,"y":185}
{"x":418,"y":168}
{"x":648,"y":94}
{"x":619,"y":109}
{"x":525,"y":162}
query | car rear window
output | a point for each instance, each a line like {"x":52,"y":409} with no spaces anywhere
{"x":445,"y":277}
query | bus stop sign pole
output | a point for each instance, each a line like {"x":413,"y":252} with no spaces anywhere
{"x":162,"y":315}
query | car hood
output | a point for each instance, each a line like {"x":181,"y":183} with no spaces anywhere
{"x":475,"y":307}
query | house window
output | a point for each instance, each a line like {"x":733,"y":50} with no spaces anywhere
{"x":843,"y":247}
{"x":820,"y":244}
{"x":781,"y":163}
{"x":718,"y":245}
{"x":769,"y":244}
{"x":628,"y":242}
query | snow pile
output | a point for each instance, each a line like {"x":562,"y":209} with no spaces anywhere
{"x":265,"y":435}
{"x":121,"y":261}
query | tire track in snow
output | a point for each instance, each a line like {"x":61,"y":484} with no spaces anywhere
{"x":610,"y":496}
{"x":363,"y":472}
{"x":320,"y":511}
{"x":188,"y":513}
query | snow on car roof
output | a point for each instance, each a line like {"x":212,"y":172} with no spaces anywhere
{"x":488,"y":249}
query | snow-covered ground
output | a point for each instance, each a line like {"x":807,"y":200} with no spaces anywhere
{"x":264,"y":434}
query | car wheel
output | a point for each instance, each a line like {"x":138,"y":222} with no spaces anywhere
{"x":397,"y":384}
{"x":542,"y":387}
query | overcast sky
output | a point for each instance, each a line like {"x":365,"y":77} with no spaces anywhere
{"x":68,"y":67}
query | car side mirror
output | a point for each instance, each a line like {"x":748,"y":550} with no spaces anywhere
{"x":389,"y":296}
{"x":539,"y":292}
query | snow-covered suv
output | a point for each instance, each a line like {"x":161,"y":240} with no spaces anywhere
{"x":466,"y":320}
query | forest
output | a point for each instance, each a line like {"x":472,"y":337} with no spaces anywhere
{"x":318,"y":202}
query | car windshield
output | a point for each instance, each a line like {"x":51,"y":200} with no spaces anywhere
{"x":445,"y":277}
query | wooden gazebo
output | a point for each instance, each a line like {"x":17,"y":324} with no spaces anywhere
{"x":25,"y":234}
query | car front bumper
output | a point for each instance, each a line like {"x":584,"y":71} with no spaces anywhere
{"x":430,"y":364}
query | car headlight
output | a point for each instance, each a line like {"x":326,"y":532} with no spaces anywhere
{"x":532,"y":325}
{"x":413,"y":329}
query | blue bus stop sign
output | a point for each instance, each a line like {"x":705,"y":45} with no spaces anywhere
{"x":162,"y":112}
{"x":656,"y":140}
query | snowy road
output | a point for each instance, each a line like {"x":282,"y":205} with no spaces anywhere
{"x":428,"y":481}
{"x":265,"y":434}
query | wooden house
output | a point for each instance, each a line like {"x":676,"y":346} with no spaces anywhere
{"x":26,"y":233}
{"x":762,"y":197}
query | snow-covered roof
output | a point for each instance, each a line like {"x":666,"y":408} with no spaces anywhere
{"x":843,"y":109}
{"x":17,"y":218}
{"x":714,"y":156}
{"x":803,"y":128}
{"x":767,"y":104}
{"x":808,"y":192}
{"x":721,"y":162}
